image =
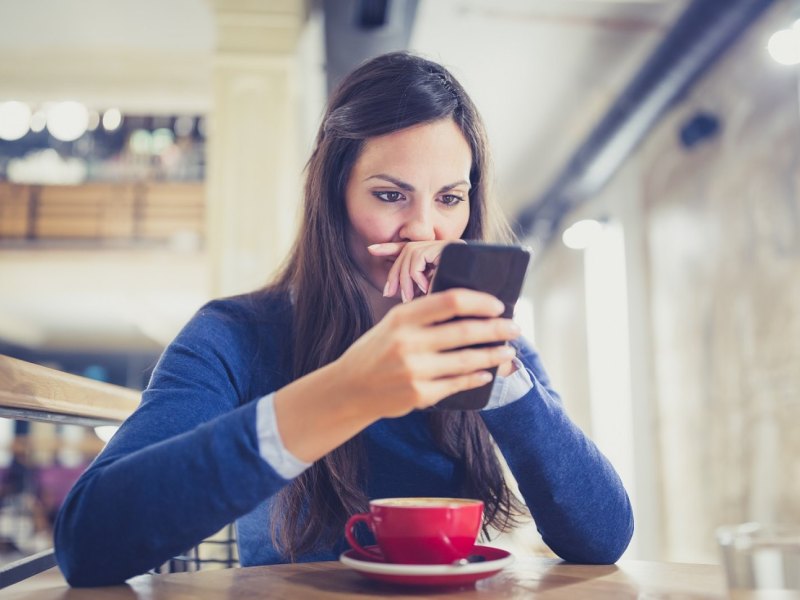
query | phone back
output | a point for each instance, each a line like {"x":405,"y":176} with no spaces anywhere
{"x":495,"y":269}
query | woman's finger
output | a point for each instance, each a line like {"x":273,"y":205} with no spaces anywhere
{"x":426,"y":262}
{"x":417,"y":264}
{"x":392,"y":280}
{"x":409,"y":270}
{"x":466,"y":332}
{"x":386,"y":249}
{"x":418,"y":267}
{"x":437,"y":390}
{"x":506,"y":369}
{"x":460,"y":362}
{"x":421,"y":281}
{"x":442,"y":306}
{"x":406,"y":283}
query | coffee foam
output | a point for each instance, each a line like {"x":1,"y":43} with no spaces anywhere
{"x":425,"y":502}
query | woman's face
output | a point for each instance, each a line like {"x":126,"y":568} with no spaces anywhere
{"x":407,"y":186}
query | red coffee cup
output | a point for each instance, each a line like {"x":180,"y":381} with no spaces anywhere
{"x":422,"y":531}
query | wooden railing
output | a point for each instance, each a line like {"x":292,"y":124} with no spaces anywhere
{"x":150,"y":212}
{"x":33,"y":392}
{"x":29,"y":391}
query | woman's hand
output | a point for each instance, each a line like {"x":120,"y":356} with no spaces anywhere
{"x":409,"y":360}
{"x":416,"y":263}
{"x":413,"y":268}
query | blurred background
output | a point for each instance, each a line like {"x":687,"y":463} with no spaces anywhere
{"x":151,"y":158}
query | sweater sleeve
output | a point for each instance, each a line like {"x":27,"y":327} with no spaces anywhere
{"x":573,"y":493}
{"x":184,"y":465}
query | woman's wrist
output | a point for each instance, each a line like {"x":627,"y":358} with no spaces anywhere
{"x":318,"y":413}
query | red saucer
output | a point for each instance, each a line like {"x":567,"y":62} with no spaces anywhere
{"x":438,"y":575}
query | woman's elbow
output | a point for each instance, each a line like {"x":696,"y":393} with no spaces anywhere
{"x":81,"y":568}
{"x":78,"y":554}
{"x":603,"y":546}
{"x":72,"y":559}
{"x":606,"y":554}
{"x":614,"y":542}
{"x":611,"y":540}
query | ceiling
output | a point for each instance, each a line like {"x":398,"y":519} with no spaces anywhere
{"x":541,"y":72}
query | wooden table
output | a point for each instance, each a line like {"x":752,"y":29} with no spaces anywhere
{"x":527,"y":578}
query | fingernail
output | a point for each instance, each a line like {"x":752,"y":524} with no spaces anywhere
{"x":499,"y":306}
{"x":374,"y":245}
{"x":508,"y":352}
{"x":386,"y":290}
{"x":513,"y":328}
{"x":403,"y":296}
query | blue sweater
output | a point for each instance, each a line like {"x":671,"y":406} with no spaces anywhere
{"x":187,"y":462}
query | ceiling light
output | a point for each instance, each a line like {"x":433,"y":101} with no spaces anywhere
{"x":112,"y":119}
{"x":184,"y":125}
{"x":94,"y":120}
{"x":161,"y":140}
{"x":46,"y":167}
{"x":38,"y":121}
{"x":581,"y":234}
{"x":67,"y":121}
{"x":141,"y":142}
{"x":784,"y":46}
{"x":15,"y":118}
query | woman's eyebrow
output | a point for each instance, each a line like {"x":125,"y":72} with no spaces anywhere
{"x":449,"y":187}
{"x":410,"y":188}
{"x":393,"y":180}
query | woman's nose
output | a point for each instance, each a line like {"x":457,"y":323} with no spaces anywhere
{"x":418,"y":227}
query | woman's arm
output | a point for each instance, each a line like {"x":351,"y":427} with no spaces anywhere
{"x":408,"y":361}
{"x":574,"y":494}
{"x":184,"y":465}
{"x":187,"y":462}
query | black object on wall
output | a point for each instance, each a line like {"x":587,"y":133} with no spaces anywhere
{"x":700,"y":127}
{"x":697,"y":39}
{"x":357,"y":30}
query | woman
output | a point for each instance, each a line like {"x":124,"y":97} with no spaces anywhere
{"x":287,"y":409}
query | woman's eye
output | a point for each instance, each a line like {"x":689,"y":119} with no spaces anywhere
{"x":451,"y":199}
{"x":388,"y":196}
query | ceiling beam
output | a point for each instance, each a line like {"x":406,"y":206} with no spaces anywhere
{"x":698,"y":38}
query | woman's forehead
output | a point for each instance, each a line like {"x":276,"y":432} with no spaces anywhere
{"x":436,"y":150}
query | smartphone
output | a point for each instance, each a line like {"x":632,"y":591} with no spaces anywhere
{"x":495,"y":269}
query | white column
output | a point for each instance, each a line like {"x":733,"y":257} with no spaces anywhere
{"x":253,"y":171}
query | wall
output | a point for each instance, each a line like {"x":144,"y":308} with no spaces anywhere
{"x":714,"y":294}
{"x":724,"y":251}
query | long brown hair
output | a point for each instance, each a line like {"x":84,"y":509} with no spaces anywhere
{"x":386,"y":94}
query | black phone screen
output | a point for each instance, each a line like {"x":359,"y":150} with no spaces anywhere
{"x":495,"y":269}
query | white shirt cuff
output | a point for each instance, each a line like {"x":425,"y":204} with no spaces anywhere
{"x":510,"y":389}
{"x":270,"y":444}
